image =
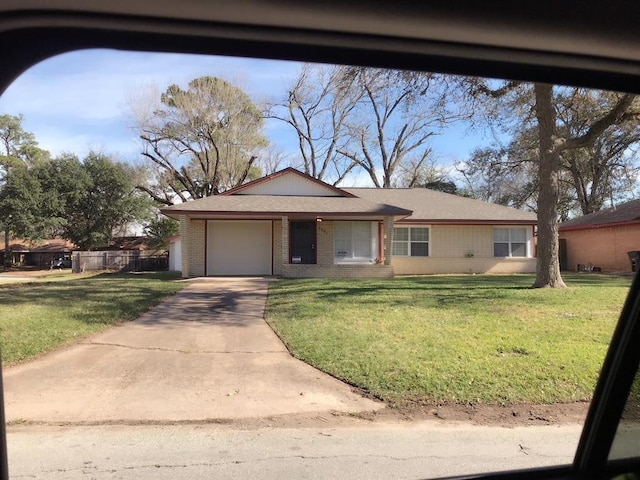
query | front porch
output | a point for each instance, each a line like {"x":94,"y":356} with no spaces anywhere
{"x":326,"y":263}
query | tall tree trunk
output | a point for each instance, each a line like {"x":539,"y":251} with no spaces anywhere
{"x":7,"y":250}
{"x":548,"y":265}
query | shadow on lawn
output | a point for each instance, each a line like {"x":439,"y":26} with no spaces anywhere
{"x":439,"y":290}
{"x":443,"y":290}
{"x":103,"y":298}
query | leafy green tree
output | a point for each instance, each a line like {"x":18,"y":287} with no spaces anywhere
{"x":158,"y":230}
{"x":20,"y":199}
{"x":516,"y":107}
{"x":100,"y":198}
{"x":17,"y":146}
{"x":199,"y":141}
{"x":18,"y":150}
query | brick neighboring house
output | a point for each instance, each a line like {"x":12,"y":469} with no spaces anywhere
{"x":602,"y":239}
{"x":37,"y":254}
{"x":292,"y":225}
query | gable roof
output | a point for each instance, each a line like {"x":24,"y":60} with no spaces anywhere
{"x":47,"y":245}
{"x":293,"y":193}
{"x":626,"y":213}
{"x":126,"y":243}
{"x":278,"y":205}
{"x":431,"y":206}
{"x":318,"y":187}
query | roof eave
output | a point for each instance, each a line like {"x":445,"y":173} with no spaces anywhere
{"x":277,"y":214}
{"x":590,"y":226}
{"x":266,"y":178}
{"x":468,"y":221}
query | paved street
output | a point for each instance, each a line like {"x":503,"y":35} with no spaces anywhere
{"x":423,"y":450}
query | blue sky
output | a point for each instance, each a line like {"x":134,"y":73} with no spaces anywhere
{"x":78,"y":101}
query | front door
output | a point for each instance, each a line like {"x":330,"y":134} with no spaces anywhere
{"x":302,"y":245}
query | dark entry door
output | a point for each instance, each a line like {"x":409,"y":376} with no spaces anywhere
{"x":302,"y":247}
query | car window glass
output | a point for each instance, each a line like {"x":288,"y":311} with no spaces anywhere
{"x":626,"y":443}
{"x":409,"y":289}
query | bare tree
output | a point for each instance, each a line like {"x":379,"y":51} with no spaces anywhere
{"x":536,"y":105}
{"x":607,"y":168}
{"x":201,"y":141}
{"x":272,"y":159}
{"x":413,"y":173}
{"x":396,"y":115}
{"x":503,"y":175}
{"x":317,"y":108}
{"x":551,"y":148}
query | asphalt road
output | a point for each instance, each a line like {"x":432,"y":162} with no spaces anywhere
{"x":404,"y":451}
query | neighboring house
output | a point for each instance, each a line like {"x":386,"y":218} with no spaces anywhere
{"x":293,"y":225}
{"x":602,"y":239}
{"x":37,"y":254}
{"x":126,"y":243}
{"x":131,"y":253}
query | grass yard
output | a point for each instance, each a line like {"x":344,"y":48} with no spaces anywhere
{"x":453,"y":339}
{"x":40,"y":316}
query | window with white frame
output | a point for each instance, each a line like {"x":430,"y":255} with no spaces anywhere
{"x":510,"y":242}
{"x":354,"y":242}
{"x":411,"y":241}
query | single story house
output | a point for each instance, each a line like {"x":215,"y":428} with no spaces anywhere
{"x":126,"y":243}
{"x":36,"y":254}
{"x":603,"y":239}
{"x":292,"y":225}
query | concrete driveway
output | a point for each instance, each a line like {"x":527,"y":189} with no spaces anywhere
{"x":205,"y":354}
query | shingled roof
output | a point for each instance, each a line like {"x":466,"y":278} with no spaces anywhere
{"x":272,"y":205}
{"x":48,"y":245}
{"x":431,"y":206}
{"x":293,"y":193}
{"x":626,"y":213}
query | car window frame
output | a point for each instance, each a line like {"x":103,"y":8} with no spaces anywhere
{"x":37,"y":35}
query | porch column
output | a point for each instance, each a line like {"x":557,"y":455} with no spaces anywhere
{"x":185,"y":244}
{"x":285,"y":241}
{"x":388,"y":239}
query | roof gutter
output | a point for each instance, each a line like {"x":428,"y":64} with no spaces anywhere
{"x":597,"y":225}
{"x":467,"y":222}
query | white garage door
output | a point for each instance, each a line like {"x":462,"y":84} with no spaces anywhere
{"x":238,"y":247}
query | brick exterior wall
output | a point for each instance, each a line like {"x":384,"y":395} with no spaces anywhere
{"x":449,"y":246}
{"x":277,"y":247}
{"x":284,"y":243}
{"x":324,"y":248}
{"x":604,"y":247}
{"x":430,"y":265}
{"x":197,"y":248}
{"x":324,"y":267}
{"x":185,"y":253}
{"x":388,"y":240}
{"x":338,"y":271}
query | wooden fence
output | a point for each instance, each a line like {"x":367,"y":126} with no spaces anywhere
{"x":119,"y":260}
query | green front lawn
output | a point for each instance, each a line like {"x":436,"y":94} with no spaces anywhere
{"x":453,"y":339}
{"x":40,"y":316}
